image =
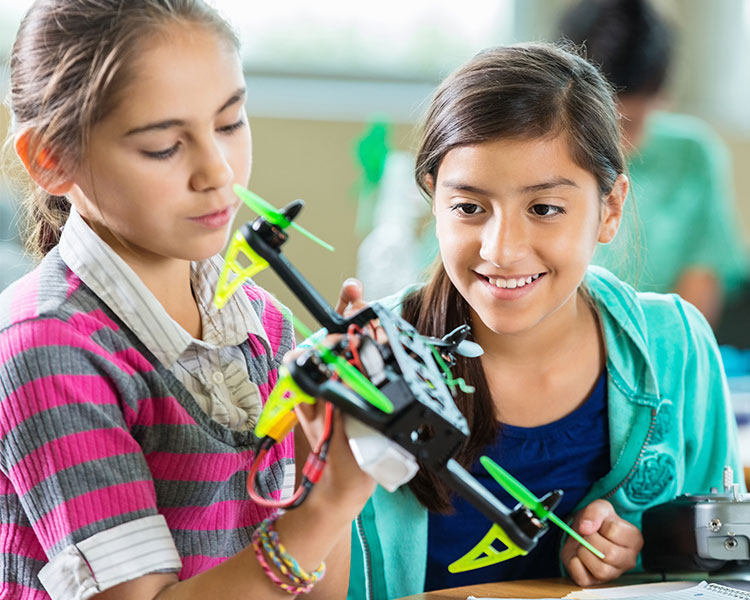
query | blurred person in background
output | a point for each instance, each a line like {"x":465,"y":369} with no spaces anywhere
{"x":680,"y":234}
{"x":14,"y":262}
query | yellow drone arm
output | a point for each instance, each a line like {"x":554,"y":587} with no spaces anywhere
{"x":238,"y":248}
{"x":278,"y":418}
{"x":485,"y":554}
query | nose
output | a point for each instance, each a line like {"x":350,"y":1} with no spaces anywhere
{"x":211,"y":169}
{"x":504,"y":241}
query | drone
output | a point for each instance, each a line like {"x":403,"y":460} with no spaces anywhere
{"x":396,"y":392}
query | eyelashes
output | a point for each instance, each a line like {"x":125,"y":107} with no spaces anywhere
{"x":465,"y":208}
{"x":542,"y":211}
{"x":161,"y":154}
{"x":232,"y":127}
{"x":172,"y":150}
{"x":547,"y":210}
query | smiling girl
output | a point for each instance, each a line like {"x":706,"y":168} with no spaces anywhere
{"x":617,"y":398}
{"x":127,"y":399}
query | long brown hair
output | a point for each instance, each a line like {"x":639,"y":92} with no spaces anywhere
{"x":525,"y":91}
{"x":68,"y":63}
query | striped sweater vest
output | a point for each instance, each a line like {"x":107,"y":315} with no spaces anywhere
{"x":95,"y":432}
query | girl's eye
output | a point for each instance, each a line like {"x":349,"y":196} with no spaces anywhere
{"x":547,"y":210}
{"x":466,"y":208}
{"x":161,"y":154}
{"x":232,"y":127}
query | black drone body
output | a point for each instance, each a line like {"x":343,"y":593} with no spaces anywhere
{"x":425,"y":420}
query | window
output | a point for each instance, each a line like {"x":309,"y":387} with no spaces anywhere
{"x":340,"y":59}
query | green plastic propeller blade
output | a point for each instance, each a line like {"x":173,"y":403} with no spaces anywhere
{"x":351,"y":376}
{"x":516,"y":489}
{"x":348,"y":373}
{"x":260,"y":206}
{"x":272,"y":215}
{"x":312,"y":236}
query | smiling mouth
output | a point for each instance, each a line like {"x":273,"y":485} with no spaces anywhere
{"x":512,"y":282}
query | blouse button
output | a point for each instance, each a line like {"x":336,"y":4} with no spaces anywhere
{"x":217,"y":377}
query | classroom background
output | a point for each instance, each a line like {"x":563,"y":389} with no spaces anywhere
{"x":336,"y":88}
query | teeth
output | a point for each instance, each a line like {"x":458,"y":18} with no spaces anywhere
{"x":513,"y":283}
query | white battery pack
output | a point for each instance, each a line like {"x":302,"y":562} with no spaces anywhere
{"x":384,"y":460}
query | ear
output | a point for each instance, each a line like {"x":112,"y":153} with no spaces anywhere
{"x":612,"y":211}
{"x":42,"y":165}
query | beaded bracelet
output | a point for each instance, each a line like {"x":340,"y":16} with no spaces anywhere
{"x":278,"y":563}
{"x":282,"y":559}
{"x":292,"y":589}
{"x":267,"y":531}
{"x":267,"y":538}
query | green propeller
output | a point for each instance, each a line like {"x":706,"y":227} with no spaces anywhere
{"x":272,"y":215}
{"x":349,"y":374}
{"x":516,"y":489}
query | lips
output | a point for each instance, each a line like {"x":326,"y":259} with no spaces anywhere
{"x":510,"y":288}
{"x":215,"y":219}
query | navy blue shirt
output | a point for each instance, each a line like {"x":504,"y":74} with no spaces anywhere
{"x":569,"y":454}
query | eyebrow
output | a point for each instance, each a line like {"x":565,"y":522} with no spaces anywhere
{"x":465,"y":187}
{"x":537,"y":187}
{"x":236,"y":97}
{"x":548,"y":185}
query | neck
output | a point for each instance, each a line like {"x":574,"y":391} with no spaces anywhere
{"x":168,"y":279}
{"x":546,"y":342}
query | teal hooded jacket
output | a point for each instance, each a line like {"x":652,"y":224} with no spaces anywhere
{"x":671,"y":427}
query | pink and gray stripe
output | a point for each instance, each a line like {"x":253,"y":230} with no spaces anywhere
{"x":100,"y":444}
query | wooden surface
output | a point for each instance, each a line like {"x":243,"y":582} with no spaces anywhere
{"x":529,"y":588}
{"x":539,"y":588}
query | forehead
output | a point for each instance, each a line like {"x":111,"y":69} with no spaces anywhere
{"x":514,"y":159}
{"x":179,"y":71}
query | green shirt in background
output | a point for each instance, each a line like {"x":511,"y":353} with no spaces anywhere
{"x":684,"y":215}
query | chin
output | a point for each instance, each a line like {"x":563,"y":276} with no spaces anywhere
{"x":507,"y":325}
{"x":212,"y":247}
{"x":201,"y":253}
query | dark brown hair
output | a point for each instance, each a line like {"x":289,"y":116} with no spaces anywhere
{"x":526,"y":91}
{"x":630,"y":41}
{"x":68,"y":63}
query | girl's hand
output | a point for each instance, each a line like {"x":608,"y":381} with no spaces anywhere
{"x":343,"y":483}
{"x":351,"y":301}
{"x":619,"y":540}
{"x":351,"y":297}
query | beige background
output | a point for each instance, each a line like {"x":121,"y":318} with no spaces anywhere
{"x":314,"y":159}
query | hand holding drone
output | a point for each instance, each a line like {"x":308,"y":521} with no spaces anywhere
{"x":396,"y":395}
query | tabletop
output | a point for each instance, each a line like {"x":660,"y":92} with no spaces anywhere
{"x":524,"y":588}
{"x":536,"y":588}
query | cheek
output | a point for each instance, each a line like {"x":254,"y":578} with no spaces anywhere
{"x":446,"y":237}
{"x":576,"y":242}
{"x":240,"y":156}
{"x":457,"y":251}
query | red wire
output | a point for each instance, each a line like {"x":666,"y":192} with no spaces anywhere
{"x":256,"y":497}
{"x":317,"y":468}
{"x":350,"y":334}
{"x":327,"y":426}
